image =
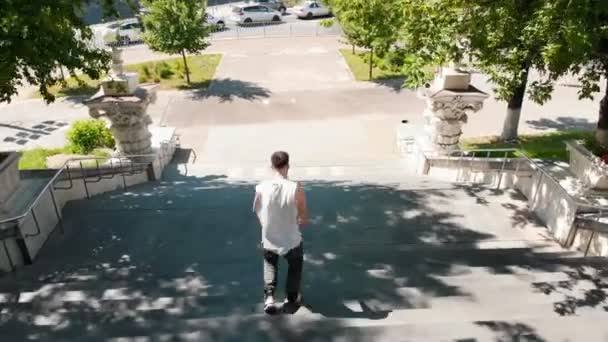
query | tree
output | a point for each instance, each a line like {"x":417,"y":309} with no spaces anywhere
{"x":370,"y":24}
{"x":37,"y":37}
{"x":579,"y":46}
{"x":503,"y":39}
{"x":177,"y":27}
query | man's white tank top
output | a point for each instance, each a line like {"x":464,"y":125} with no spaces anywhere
{"x":279,"y":215}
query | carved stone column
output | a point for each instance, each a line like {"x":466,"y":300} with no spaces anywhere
{"x":449,"y":102}
{"x":129,"y":119}
{"x":124,"y":103}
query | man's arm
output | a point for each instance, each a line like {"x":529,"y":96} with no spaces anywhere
{"x":301,"y":205}
{"x":257,"y":205}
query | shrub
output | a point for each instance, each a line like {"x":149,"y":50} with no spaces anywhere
{"x":86,"y":135}
{"x":163,"y":70}
{"x":395,"y":58}
{"x":179,"y":69}
{"x":144,"y":73}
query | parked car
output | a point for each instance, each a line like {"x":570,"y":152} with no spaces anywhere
{"x":218,"y":22}
{"x":124,"y":32}
{"x":247,"y":14}
{"x":311,"y":9}
{"x":276,"y":5}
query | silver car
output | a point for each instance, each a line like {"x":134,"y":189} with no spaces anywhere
{"x":276,"y":5}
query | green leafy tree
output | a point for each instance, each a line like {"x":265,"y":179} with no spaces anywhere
{"x":579,"y":47}
{"x":503,"y":39}
{"x":370,"y":24}
{"x":37,"y":37}
{"x":349,"y":37}
{"x":176,"y":27}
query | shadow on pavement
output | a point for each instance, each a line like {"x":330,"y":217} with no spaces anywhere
{"x":23,"y":135}
{"x":508,"y":331}
{"x":170,"y":257}
{"x":562,"y":123}
{"x":227,"y":90}
{"x":395,"y":84}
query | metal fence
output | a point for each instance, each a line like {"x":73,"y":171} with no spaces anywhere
{"x":247,"y":31}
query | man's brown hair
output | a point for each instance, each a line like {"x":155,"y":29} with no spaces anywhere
{"x":279,"y":160}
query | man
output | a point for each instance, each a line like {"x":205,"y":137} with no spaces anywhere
{"x":280,"y":205}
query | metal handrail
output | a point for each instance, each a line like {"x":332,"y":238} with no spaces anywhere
{"x":521,"y":155}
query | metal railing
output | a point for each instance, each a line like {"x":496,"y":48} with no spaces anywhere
{"x":461,"y":157}
{"x":229,"y":31}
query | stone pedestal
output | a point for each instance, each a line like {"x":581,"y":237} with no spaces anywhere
{"x":449,"y":101}
{"x":9,"y":176}
{"x":124,"y":103}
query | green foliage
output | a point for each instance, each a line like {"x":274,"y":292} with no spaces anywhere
{"x":359,"y":63}
{"x":144,"y":73}
{"x":327,"y":23}
{"x":80,"y":85}
{"x":163,"y":70}
{"x":176,"y":27}
{"x":202,"y":70}
{"x":36,"y":159}
{"x":86,"y":135}
{"x":578,"y":44}
{"x":39,"y":36}
{"x":370,"y":24}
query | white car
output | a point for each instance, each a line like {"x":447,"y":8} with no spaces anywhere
{"x":247,"y":14}
{"x":311,"y":9}
{"x":124,"y":32}
{"x":218,"y":22}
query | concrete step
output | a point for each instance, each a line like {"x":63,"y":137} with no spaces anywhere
{"x":440,"y":260}
{"x":388,"y":170}
{"x":406,"y":305}
{"x":514,"y":329}
{"x":459,"y":324}
{"x":381,"y":287}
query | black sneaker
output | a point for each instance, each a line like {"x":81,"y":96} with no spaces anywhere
{"x":270,"y":306}
{"x":294,"y":299}
{"x":292,"y":303}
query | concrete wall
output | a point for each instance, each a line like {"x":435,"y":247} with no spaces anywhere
{"x":552,"y":204}
{"x":598,"y":245}
{"x":546,"y":198}
{"x":15,"y":254}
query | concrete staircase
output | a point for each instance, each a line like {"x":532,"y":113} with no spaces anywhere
{"x":389,"y":257}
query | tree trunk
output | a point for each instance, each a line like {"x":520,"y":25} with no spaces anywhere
{"x":511,"y":123}
{"x":371,"y":63}
{"x":602,"y":123}
{"x":353,"y":48}
{"x":187,"y":71}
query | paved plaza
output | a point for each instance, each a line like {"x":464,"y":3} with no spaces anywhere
{"x":294,"y":93}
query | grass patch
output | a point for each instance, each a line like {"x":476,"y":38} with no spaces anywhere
{"x":550,"y":146}
{"x":169,"y":73}
{"x":359,"y":66}
{"x":36,"y":159}
{"x":73,"y":87}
